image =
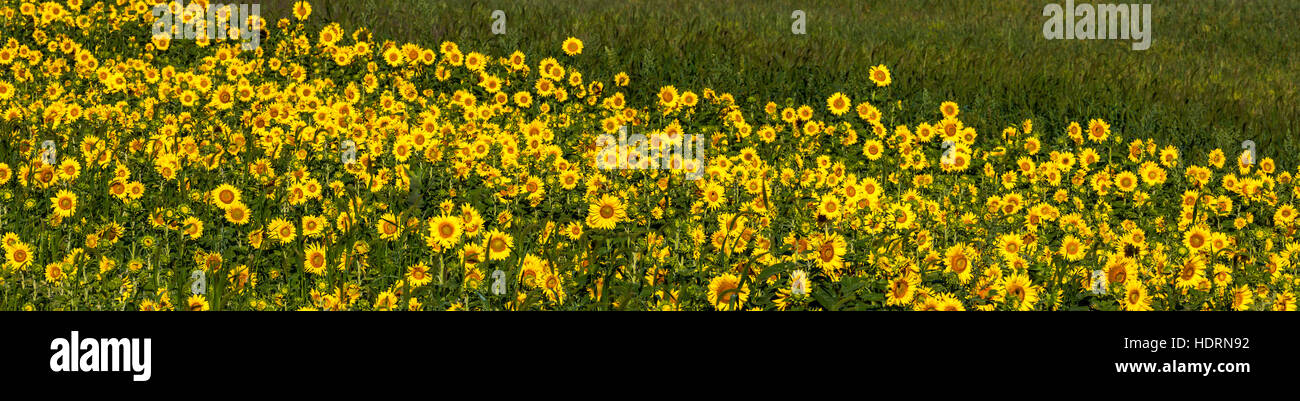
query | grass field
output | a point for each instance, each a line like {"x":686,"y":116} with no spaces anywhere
{"x":1218,"y":72}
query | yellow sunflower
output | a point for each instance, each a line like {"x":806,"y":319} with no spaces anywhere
{"x":572,"y":46}
{"x":838,"y":104}
{"x":314,"y":260}
{"x":880,"y":75}
{"x":958,"y":259}
{"x":388,"y":227}
{"x":499,"y":244}
{"x":64,"y":203}
{"x":606,"y":212}
{"x":726,"y":293}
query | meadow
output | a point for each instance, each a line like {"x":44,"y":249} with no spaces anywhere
{"x":377,"y":155}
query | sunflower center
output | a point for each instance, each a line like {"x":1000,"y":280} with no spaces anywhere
{"x":959,"y":264}
{"x":607,"y":212}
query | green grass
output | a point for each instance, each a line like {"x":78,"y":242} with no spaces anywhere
{"x":1217,"y":72}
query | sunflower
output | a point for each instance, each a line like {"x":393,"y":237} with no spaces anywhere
{"x":418,"y":275}
{"x":1190,"y":273}
{"x":572,"y":46}
{"x":1284,"y":215}
{"x":901,"y":216}
{"x":18,"y":256}
{"x":838,"y":104}
{"x":880,"y":75}
{"x":197,"y":303}
{"x":667,"y":97}
{"x":958,"y":259}
{"x":830,"y":207}
{"x":388,"y":227}
{"x":1098,"y":130}
{"x":193,"y":227}
{"x":1126,"y":181}
{"x":54,"y":272}
{"x":385,"y":301}
{"x":606,"y":212}
{"x":445,"y":230}
{"x":947,"y":302}
{"x":553,"y":286}
{"x":499,"y":244}
{"x":281,"y":230}
{"x":64,"y":203}
{"x":314,"y":226}
{"x":1197,"y":238}
{"x":301,"y":10}
{"x":949,"y":109}
{"x":714,"y":195}
{"x":1285,"y":302}
{"x":1021,"y":292}
{"x":902,"y":289}
{"x":726,"y":293}
{"x":1242,"y":298}
{"x":1010,"y":246}
{"x":830,"y":252}
{"x":1135,"y":297}
{"x":1072,"y":249}
{"x":313,"y":260}
{"x":225,"y":195}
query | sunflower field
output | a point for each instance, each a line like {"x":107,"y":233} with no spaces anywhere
{"x":336,"y":170}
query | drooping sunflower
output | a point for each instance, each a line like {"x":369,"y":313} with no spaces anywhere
{"x":726,"y":293}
